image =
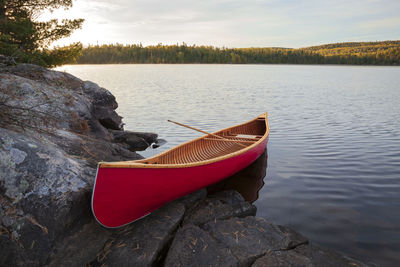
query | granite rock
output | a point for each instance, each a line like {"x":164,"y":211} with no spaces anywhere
{"x":306,"y":256}
{"x":210,"y":236}
{"x":142,"y":242}
{"x":52,"y":134}
{"x":192,"y":246}
{"x":223,"y":205}
{"x":137,"y":141}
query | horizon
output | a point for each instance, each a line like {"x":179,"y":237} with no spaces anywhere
{"x":232,"y":23}
{"x":220,"y":47}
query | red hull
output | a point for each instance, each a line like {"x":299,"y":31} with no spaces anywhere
{"x":123,"y":195}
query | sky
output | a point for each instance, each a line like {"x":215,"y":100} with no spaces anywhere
{"x":232,"y":23}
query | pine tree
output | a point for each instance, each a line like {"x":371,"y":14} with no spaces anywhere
{"x":28,"y":40}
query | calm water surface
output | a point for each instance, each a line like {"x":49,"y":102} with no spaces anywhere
{"x":334,"y":151}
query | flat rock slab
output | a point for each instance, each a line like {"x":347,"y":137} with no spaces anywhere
{"x":190,"y":201}
{"x":326,"y":257}
{"x":234,"y":241}
{"x":136,"y":141}
{"x":142,"y":242}
{"x":248,"y":241}
{"x":223,"y":205}
{"x":194,"y":246}
{"x":217,"y":233}
{"x":249,"y":238}
{"x":283,"y":259}
{"x":80,"y":247}
{"x":307,"y":256}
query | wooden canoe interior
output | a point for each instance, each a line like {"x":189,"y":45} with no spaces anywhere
{"x":209,"y":147}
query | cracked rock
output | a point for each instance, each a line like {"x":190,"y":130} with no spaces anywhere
{"x":141,"y":243}
{"x":223,"y":205}
{"x":192,"y":246}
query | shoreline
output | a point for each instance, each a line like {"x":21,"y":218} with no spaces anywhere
{"x":50,"y":167}
{"x":256,"y":64}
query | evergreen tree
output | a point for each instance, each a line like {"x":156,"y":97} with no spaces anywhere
{"x":28,"y":40}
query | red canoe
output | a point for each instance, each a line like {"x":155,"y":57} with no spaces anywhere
{"x":127,"y":191}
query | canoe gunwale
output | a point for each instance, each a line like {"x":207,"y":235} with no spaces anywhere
{"x":141,"y":164}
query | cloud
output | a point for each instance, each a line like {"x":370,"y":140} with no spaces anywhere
{"x":234,"y":23}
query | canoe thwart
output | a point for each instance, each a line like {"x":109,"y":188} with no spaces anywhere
{"x":228,"y":140}
{"x":204,"y":132}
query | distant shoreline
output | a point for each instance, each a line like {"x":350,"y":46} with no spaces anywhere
{"x":255,"y":64}
{"x":386,"y":53}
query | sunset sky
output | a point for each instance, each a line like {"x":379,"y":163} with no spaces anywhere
{"x":233,"y":23}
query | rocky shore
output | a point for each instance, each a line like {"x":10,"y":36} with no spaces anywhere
{"x":54,"y":128}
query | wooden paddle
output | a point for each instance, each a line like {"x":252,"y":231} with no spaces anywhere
{"x":204,"y":132}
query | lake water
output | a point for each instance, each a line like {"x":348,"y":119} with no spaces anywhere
{"x":334,"y":149}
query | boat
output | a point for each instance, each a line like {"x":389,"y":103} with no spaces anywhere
{"x":126,"y":191}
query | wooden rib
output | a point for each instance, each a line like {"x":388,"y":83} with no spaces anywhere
{"x":209,"y":150}
{"x":201,"y":150}
{"x":205,"y":152}
{"x":196,"y":154}
{"x":190,"y":155}
{"x":208,"y":153}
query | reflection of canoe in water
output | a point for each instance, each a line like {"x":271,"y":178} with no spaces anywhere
{"x":248,"y":182}
{"x":126,"y":191}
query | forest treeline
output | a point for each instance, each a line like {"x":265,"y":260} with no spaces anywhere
{"x":356,"y":53}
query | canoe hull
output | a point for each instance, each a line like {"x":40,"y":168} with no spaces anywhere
{"x":123,"y":195}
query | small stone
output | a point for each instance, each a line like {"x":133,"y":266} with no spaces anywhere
{"x":158,"y":143}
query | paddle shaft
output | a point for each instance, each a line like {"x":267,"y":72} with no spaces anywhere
{"x":204,"y":132}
